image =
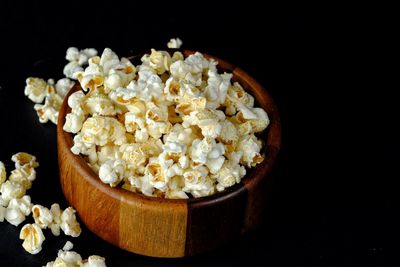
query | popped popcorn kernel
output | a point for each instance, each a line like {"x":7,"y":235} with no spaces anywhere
{"x":35,"y":89}
{"x":12,"y":189}
{"x":33,"y":238}
{"x":112,"y":172}
{"x":56,"y":222}
{"x":3,"y":173}
{"x":66,"y":258}
{"x":175,"y":43}
{"x":49,"y":111}
{"x":42,"y":215}
{"x":22,"y":158}
{"x":69,"y":224}
{"x":94,"y":261}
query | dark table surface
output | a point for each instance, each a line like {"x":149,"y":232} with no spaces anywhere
{"x":334,"y":200}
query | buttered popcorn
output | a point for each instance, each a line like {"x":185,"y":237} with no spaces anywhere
{"x":171,"y":127}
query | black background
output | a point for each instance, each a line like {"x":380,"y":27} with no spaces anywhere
{"x":334,"y":200}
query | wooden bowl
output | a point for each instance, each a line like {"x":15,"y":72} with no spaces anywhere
{"x":165,"y":227}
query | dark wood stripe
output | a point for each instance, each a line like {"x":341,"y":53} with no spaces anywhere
{"x":215,"y":220}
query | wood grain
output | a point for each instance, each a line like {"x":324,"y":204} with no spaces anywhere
{"x":163,"y":227}
{"x":215,"y":220}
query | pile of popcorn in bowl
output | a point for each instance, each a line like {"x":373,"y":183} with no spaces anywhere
{"x":171,"y":127}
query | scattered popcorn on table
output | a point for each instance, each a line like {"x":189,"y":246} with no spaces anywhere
{"x":49,"y":110}
{"x":2,"y":213}
{"x":3,"y":173}
{"x":33,"y":238}
{"x":69,"y":224}
{"x":66,"y":257}
{"x":38,"y":90}
{"x":68,"y":246}
{"x":55,"y":224}
{"x":15,"y":205}
{"x":175,"y":43}
{"x":171,"y":127}
{"x":35,"y":89}
{"x":42,"y":216}
{"x":14,"y":216}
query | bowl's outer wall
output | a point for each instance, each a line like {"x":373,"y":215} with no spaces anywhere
{"x":170,"y":228}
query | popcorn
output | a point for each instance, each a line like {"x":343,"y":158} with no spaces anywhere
{"x":14,"y":216}
{"x":85,"y":54}
{"x":229,"y":134}
{"x":33,"y":238}
{"x":42,"y":215}
{"x":63,"y":86}
{"x":156,"y":175}
{"x":208,"y":152}
{"x":3,"y":173}
{"x":198,"y":183}
{"x":149,"y":86}
{"x":134,"y":155}
{"x":112,"y":172}
{"x":72,"y":54}
{"x":196,"y":63}
{"x":68,"y":246}
{"x":23,"y":204}
{"x":95,"y":261}
{"x":74,"y":121}
{"x":159,"y":61}
{"x":17,"y":209}
{"x":231,"y":172}
{"x":49,"y":111}
{"x":35,"y":89}
{"x":217,"y":88}
{"x":66,"y":257}
{"x":24,"y":176}
{"x":175,"y":43}
{"x":76,"y":60}
{"x":108,"y":152}
{"x":175,"y":188}
{"x":2,"y":213}
{"x":256,"y":118}
{"x":109,"y":60}
{"x":250,"y":147}
{"x":69,"y":224}
{"x":171,"y":127}
{"x":99,"y":104}
{"x":71,"y":69}
{"x":82,"y":56}
{"x":207,"y":120}
{"x":76,"y":99}
{"x":81,"y":147}
{"x":143,"y":183}
{"x":11,"y":189}
{"x":56,"y":222}
{"x":236,"y":94}
{"x":93,"y":77}
{"x":22,"y":159}
{"x":99,"y":131}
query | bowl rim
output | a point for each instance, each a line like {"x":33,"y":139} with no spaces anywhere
{"x":259,"y":172}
